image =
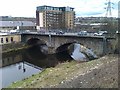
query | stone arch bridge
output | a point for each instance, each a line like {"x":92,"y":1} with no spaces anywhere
{"x":99,"y":44}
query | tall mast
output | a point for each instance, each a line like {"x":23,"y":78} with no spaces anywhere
{"x":109,"y":8}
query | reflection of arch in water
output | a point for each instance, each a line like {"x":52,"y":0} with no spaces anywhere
{"x":49,"y":61}
{"x":10,"y":58}
{"x":62,"y":52}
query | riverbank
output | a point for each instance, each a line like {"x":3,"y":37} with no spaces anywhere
{"x":13,"y":47}
{"x":99,"y":73}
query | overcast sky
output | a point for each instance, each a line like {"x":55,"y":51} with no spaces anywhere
{"x":27,"y":8}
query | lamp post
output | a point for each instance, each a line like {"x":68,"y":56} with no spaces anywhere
{"x":24,"y":67}
{"x":20,"y":67}
{"x":50,"y":36}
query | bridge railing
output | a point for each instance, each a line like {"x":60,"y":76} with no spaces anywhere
{"x":110,"y":35}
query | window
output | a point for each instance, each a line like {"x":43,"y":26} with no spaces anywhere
{"x":1,"y":40}
{"x":11,"y":39}
{"x":6,"y":40}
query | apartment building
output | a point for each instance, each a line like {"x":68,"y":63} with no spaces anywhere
{"x":51,"y":18}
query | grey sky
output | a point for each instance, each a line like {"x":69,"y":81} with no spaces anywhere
{"x":27,"y":8}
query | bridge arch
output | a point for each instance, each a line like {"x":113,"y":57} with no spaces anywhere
{"x":38,"y":45}
{"x":63,"y":47}
{"x":62,"y":52}
{"x":35,"y":41}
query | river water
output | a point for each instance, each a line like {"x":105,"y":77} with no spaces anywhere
{"x":17,"y":66}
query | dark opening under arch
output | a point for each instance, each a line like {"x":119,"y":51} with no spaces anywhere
{"x":63,"y":47}
{"x":35,"y":41}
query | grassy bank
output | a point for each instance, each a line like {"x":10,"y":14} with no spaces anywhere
{"x":64,"y":72}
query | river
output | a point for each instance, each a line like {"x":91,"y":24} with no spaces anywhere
{"x":19,"y":65}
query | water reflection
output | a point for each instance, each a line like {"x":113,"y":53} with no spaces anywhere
{"x":17,"y":72}
{"x":11,"y":58}
{"x":19,"y":65}
{"x":35,"y":56}
{"x":81,"y":53}
{"x":63,"y":56}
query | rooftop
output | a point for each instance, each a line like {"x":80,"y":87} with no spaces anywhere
{"x":16,"y":23}
{"x":45,"y":7}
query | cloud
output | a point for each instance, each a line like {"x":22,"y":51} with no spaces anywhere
{"x":28,"y":7}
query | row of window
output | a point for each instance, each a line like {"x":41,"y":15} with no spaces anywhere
{"x":50,"y":8}
{"x":2,"y":40}
{"x":55,"y":8}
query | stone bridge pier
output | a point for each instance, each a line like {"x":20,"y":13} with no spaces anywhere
{"x":99,"y":45}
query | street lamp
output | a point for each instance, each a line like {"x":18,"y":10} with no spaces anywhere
{"x":20,"y":67}
{"x":24,"y":67}
{"x":50,"y":36}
